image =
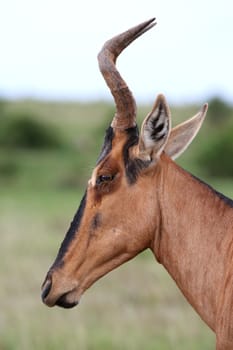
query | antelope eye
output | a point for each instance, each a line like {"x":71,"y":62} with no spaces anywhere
{"x":104,"y":178}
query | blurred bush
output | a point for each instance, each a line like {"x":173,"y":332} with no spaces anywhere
{"x":219,"y":111}
{"x":2,"y":107}
{"x":29,"y":147}
{"x":98,"y":132}
{"x":9,"y":167}
{"x":22,"y":130}
{"x":61,"y":151}
{"x":216,"y":157}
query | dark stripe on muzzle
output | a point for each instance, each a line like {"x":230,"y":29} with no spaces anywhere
{"x":71,"y":233}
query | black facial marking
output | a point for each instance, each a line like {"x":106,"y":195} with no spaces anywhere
{"x":107,"y":146}
{"x":133,"y":169}
{"x":132,"y":166}
{"x":227,"y":200}
{"x":71,"y":232}
{"x":96,"y":221}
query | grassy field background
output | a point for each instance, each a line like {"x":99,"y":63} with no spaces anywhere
{"x":138,"y":305}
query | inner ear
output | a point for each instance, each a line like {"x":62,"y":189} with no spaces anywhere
{"x":155,"y":130}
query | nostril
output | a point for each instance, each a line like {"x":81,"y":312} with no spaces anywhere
{"x":46,"y":288}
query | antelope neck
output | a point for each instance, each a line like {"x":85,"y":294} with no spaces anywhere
{"x":194,"y":237}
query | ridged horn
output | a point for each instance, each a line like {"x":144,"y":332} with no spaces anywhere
{"x":125,"y":116}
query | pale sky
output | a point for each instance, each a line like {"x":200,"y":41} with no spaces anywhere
{"x":49,"y":48}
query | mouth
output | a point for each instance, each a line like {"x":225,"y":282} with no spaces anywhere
{"x":66,"y":300}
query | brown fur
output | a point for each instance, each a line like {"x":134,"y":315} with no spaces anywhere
{"x":187,"y":225}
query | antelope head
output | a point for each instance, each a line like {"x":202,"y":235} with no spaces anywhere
{"x":119,"y":215}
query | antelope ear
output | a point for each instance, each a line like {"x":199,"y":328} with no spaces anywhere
{"x":155,"y":130}
{"x":182,"y":135}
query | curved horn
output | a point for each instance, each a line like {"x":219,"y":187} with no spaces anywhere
{"x":125,"y":116}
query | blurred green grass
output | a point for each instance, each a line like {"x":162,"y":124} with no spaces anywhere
{"x":138,"y":305}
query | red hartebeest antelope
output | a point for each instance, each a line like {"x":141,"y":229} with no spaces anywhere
{"x":139,"y":198}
